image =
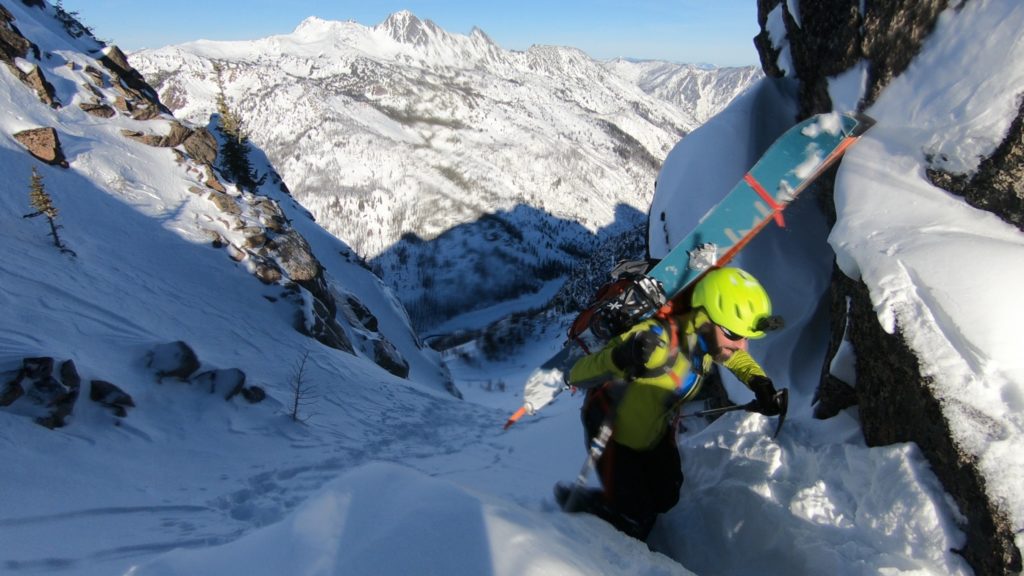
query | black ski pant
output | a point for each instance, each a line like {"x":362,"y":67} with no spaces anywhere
{"x":638,"y":484}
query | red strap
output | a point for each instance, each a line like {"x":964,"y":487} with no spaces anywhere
{"x":674,"y":343}
{"x":776,"y":209}
{"x":582,"y":345}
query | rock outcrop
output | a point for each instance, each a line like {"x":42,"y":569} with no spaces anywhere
{"x":38,"y":390}
{"x":44,"y":144}
{"x":140,"y":100}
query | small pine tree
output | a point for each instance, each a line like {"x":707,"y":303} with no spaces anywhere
{"x":303,"y":392}
{"x":234,"y":152}
{"x":43,"y":203}
{"x":39,"y":199}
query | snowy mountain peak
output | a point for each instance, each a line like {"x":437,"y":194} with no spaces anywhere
{"x":330,"y":36}
{"x":315,"y":26}
{"x":478,"y":34}
{"x":425,"y":41}
{"x":406,"y":28}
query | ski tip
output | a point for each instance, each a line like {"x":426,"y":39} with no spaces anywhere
{"x":864,"y":123}
{"x":514,"y":418}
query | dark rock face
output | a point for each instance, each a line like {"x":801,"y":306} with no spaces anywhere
{"x":12,"y":43}
{"x":897,"y":403}
{"x":388,"y":358}
{"x":202,"y":146}
{"x":225,"y":203}
{"x":832,"y":36}
{"x":893,"y":34}
{"x":296,"y":257}
{"x":824,"y":43}
{"x":38,"y":82}
{"x":833,"y":395}
{"x":998,"y":185}
{"x":224,"y":381}
{"x":99,"y":110}
{"x":254,"y":394}
{"x":324,"y":327}
{"x":362,"y":314}
{"x":177,"y":136}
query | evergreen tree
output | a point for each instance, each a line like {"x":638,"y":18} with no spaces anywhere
{"x":43,"y":203}
{"x":234,"y":152}
{"x":39,"y":199}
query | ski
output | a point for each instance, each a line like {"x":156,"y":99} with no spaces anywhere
{"x":791,"y":164}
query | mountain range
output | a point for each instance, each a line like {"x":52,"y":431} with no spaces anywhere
{"x":450,"y":164}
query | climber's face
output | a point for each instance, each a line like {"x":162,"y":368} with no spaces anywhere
{"x":723,"y":343}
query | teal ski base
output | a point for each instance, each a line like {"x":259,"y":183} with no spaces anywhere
{"x":788,"y":167}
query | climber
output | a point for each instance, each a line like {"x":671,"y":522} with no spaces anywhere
{"x":638,"y":381}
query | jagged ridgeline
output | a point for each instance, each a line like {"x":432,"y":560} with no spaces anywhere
{"x":453,"y":166}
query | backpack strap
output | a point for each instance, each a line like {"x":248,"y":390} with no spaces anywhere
{"x":695,"y":376}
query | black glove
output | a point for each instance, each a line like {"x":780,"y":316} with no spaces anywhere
{"x":764,"y":392}
{"x":635,"y":352}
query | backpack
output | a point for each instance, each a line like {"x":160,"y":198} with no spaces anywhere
{"x":630,"y":296}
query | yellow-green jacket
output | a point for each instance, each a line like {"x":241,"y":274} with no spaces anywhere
{"x":649,"y":401}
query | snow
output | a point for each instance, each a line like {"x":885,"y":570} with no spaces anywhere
{"x":393,"y":476}
{"x":814,"y":501}
{"x":776,"y":27}
{"x":846,"y":90}
{"x":812,"y":160}
{"x":389,"y":519}
{"x":827,"y":123}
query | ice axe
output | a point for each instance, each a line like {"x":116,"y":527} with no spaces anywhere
{"x":781,"y":399}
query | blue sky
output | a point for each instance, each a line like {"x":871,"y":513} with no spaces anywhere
{"x":716,"y":32}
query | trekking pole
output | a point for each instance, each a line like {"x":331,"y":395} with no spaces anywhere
{"x":597,"y":446}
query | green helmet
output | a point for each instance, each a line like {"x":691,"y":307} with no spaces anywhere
{"x":734,"y":300}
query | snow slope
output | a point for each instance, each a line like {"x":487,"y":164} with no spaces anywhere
{"x":187,"y":472}
{"x":391,"y":476}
